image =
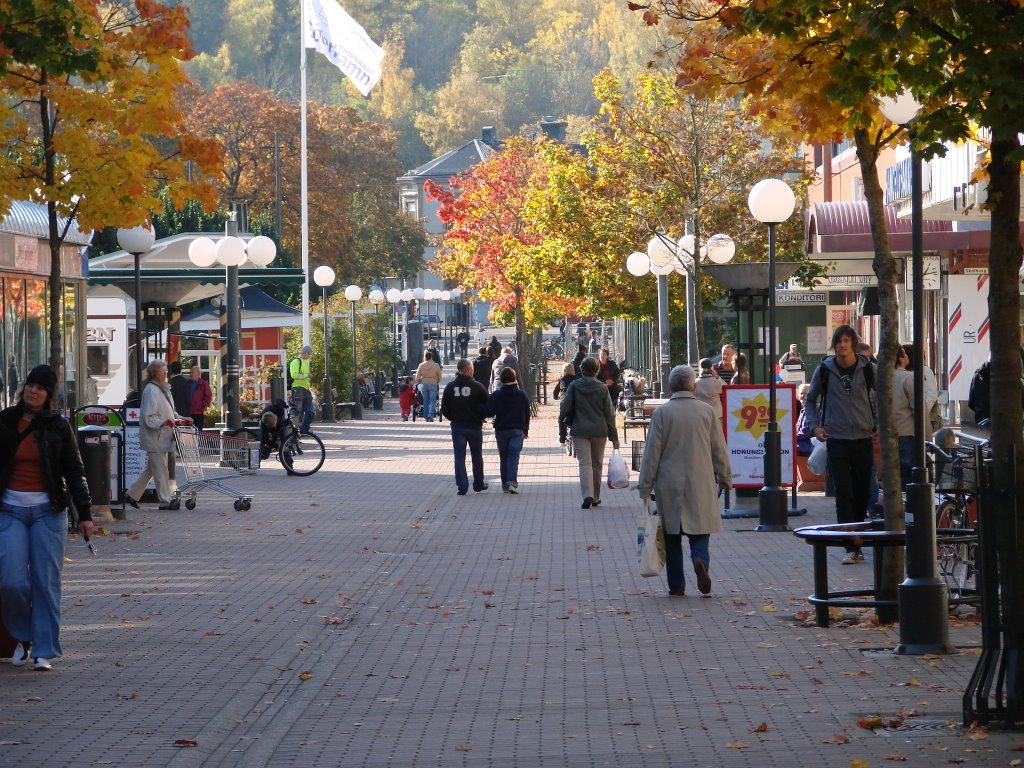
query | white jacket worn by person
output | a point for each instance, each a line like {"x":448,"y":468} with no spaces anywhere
{"x":157,"y":410}
{"x":685,"y":459}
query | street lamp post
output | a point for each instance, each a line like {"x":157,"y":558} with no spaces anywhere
{"x":137,"y":241}
{"x":377,"y":298}
{"x":354,"y":293}
{"x":659,"y":261}
{"x":394,"y":296}
{"x":772,"y":202}
{"x":924,"y":626}
{"x":231,"y":251}
{"x":324,"y":277}
{"x":719,"y":249}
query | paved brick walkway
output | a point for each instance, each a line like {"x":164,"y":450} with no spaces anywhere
{"x":368,"y":616}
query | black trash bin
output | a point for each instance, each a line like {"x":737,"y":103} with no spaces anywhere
{"x":94,"y":445}
{"x":277,"y":389}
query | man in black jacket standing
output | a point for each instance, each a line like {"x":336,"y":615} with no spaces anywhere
{"x":482,"y":367}
{"x":462,"y":404}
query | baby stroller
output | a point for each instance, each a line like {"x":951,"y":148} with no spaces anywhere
{"x":417,"y":410}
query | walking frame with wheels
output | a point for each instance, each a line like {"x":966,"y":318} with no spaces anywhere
{"x":208,"y":458}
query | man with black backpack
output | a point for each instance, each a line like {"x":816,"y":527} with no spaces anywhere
{"x":840,"y":408}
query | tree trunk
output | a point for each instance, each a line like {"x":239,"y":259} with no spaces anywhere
{"x":524,"y":355}
{"x":56,"y":351}
{"x":1004,"y":314}
{"x":885,"y":269}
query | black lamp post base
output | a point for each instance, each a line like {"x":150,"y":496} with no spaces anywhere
{"x":924,"y":627}
{"x":327,"y":407}
{"x":773,"y":517}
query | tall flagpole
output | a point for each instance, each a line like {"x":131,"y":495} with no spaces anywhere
{"x":303,"y":176}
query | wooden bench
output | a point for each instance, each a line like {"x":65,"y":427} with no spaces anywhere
{"x":869,"y":534}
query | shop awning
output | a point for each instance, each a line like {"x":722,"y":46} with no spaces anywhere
{"x":842,"y":230}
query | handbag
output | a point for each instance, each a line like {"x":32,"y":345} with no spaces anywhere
{"x":817,"y":462}
{"x":618,"y":472}
{"x":650,"y":543}
{"x":935,"y":417}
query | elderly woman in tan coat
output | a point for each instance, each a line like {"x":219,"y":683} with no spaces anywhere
{"x":684,"y":459}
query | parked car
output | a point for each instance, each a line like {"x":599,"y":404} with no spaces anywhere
{"x":432,"y":325}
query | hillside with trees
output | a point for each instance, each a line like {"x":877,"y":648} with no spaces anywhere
{"x":452,"y":65}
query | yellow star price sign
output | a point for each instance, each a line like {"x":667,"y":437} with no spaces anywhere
{"x":753,"y":415}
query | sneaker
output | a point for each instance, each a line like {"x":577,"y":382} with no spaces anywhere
{"x":860,"y":556}
{"x":852,"y":558}
{"x":41,"y":665}
{"x":513,"y":488}
{"x":504,"y":487}
{"x":703,"y":579}
{"x":131,"y":502}
{"x":677,"y":593}
{"x":21,"y":653}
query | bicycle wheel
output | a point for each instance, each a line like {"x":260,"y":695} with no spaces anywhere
{"x":955,"y":559}
{"x":302,"y":454}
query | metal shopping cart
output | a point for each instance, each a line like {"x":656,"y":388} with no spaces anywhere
{"x":207,"y":458}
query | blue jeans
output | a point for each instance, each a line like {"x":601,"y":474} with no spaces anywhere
{"x":429,"y":392}
{"x":471,"y":435}
{"x":510,"y":445}
{"x":31,"y":558}
{"x":699,"y":550}
{"x":302,"y":399}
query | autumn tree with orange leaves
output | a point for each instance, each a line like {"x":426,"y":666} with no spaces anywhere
{"x":491,"y":245}
{"x":91,"y":124}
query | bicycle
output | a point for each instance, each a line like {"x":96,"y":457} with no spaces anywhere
{"x":300,"y":454}
{"x":956,"y":516}
{"x":552,"y":349}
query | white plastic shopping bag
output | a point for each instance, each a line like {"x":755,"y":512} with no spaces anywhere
{"x":650,"y":543}
{"x":817,"y":462}
{"x":618,"y":472}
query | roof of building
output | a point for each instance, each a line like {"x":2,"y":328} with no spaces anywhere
{"x":31,"y":219}
{"x":452,"y":163}
{"x":254,"y":301}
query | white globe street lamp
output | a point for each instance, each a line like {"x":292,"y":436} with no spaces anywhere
{"x":354,"y":293}
{"x":231,"y":252}
{"x":771,"y":201}
{"x":324,"y":277}
{"x":137,"y":241}
{"x":923,"y":599}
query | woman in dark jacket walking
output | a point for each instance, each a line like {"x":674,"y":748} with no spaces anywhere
{"x":587,"y":408}
{"x":38,"y":459}
{"x":510,"y":408}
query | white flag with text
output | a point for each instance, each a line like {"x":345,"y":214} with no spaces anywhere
{"x":335,"y":34}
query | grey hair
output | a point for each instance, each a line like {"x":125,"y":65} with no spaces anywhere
{"x":153,"y":365}
{"x":682,"y":379}
{"x":507,"y":350}
{"x":463,"y":364}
